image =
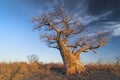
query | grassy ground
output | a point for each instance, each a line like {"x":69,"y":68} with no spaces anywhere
{"x":54,"y":71}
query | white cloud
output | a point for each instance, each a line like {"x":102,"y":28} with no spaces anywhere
{"x":116,"y":31}
{"x":114,"y":27}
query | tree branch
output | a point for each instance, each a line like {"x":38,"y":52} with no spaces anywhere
{"x":66,"y":27}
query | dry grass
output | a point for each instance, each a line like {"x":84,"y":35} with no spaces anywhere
{"x":54,"y":71}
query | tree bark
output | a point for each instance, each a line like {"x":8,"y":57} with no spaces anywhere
{"x":73,"y":64}
{"x":71,"y":61}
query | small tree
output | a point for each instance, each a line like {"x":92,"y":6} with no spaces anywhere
{"x":66,"y":33}
{"x":32,"y":58}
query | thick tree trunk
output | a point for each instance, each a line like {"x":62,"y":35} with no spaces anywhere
{"x":72,"y":62}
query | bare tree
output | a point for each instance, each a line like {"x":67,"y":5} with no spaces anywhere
{"x":65,"y":32}
{"x":32,"y":58}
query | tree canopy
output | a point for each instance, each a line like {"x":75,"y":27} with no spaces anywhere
{"x":61,"y":26}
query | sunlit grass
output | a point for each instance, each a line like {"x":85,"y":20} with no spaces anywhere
{"x":54,"y":71}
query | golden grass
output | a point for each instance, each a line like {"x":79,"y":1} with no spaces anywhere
{"x":54,"y":71}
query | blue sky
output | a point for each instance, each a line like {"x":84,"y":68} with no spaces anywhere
{"x":17,"y":39}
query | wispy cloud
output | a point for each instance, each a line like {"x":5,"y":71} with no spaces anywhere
{"x":116,"y":30}
{"x":81,"y":8}
{"x":114,"y":27}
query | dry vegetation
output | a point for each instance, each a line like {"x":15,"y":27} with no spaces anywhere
{"x":54,"y":71}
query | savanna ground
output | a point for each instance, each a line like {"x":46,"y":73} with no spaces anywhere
{"x":54,"y":71}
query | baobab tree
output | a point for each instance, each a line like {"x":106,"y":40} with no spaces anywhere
{"x":65,"y":32}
